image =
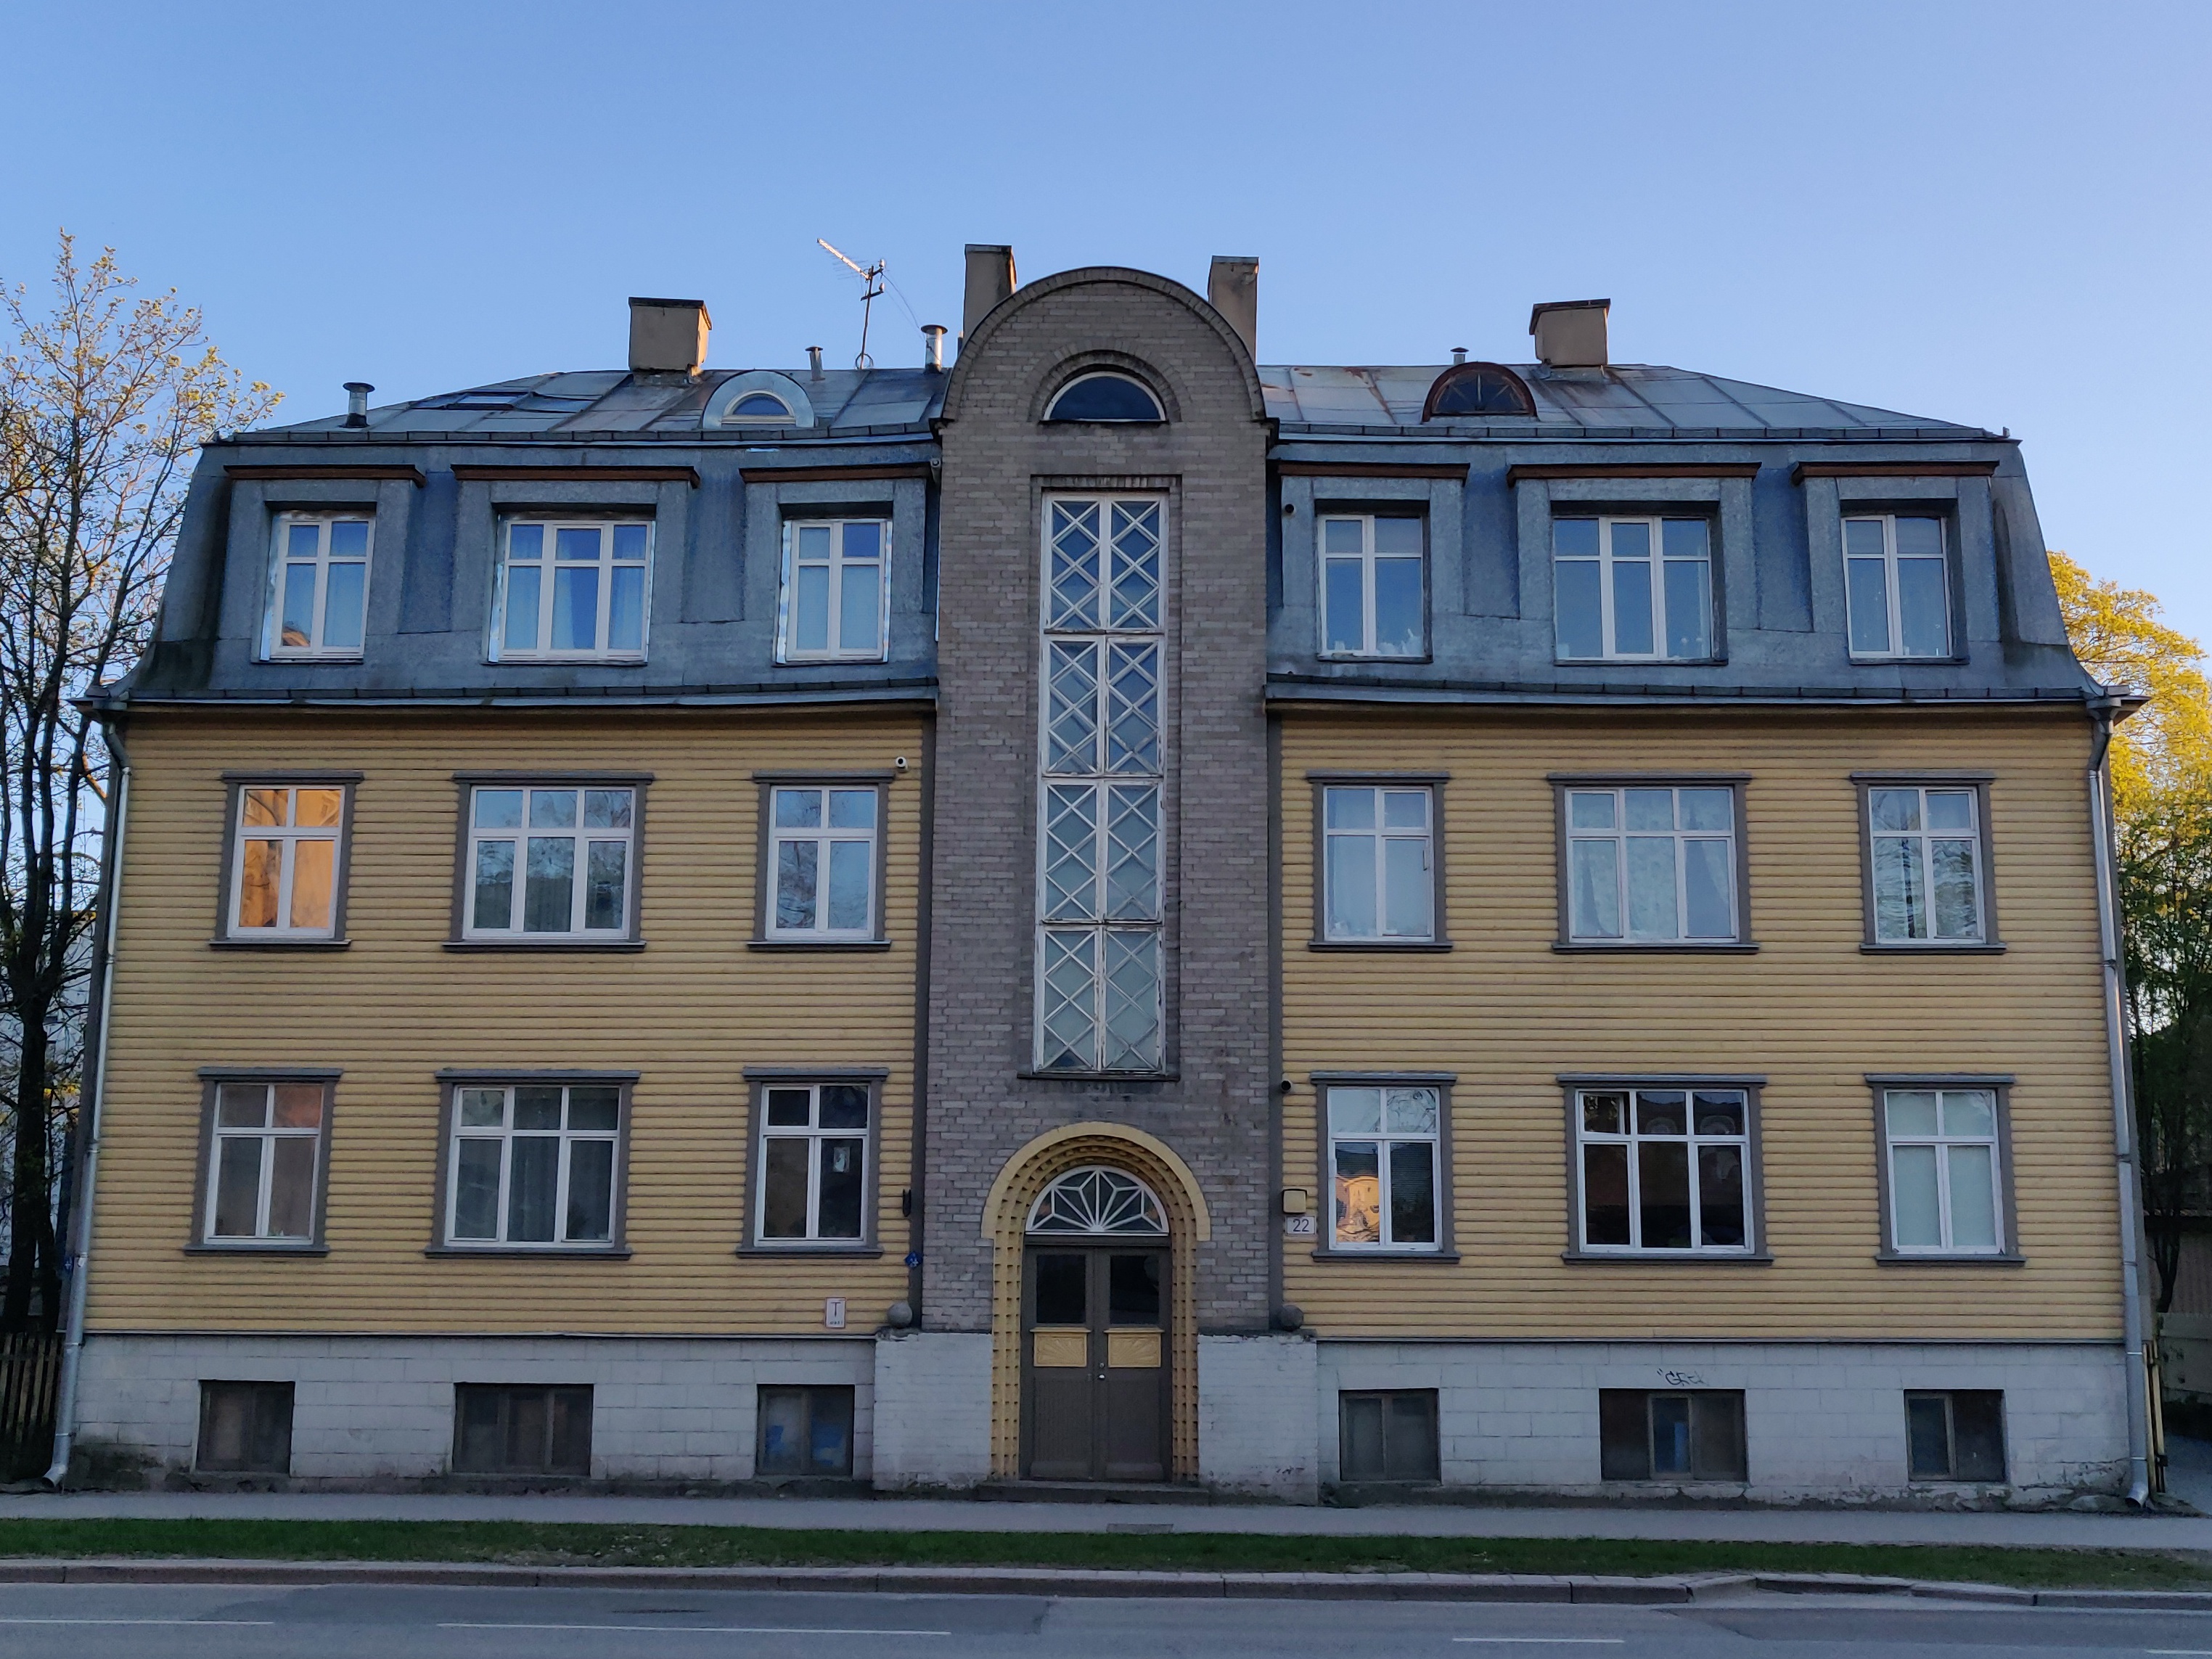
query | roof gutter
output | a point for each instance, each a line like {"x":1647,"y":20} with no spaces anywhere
{"x":2103,"y":711}
{"x":79,"y":1260}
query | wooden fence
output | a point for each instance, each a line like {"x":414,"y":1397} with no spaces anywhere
{"x":30,"y":1379}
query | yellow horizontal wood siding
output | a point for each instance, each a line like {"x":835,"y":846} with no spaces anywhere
{"x":689,"y":1013}
{"x":1808,"y":1010}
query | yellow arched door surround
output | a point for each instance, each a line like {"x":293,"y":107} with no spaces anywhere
{"x":1005,"y":1217}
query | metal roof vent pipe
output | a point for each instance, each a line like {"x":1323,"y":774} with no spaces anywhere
{"x":1459,"y":355}
{"x":668,"y":336}
{"x":357,"y":402}
{"x":1232,"y":288}
{"x":932,"y":347}
{"x":1570,"y":333}
{"x":814,"y":362}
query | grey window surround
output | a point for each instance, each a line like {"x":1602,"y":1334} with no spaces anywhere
{"x":2000,"y":1084}
{"x":1991,"y":943}
{"x":1751,"y":1085}
{"x":1443,"y":1083}
{"x":234,"y":784}
{"x":466,"y":784}
{"x":764,"y":843}
{"x":1738,"y":784}
{"x":212,"y":1078}
{"x":1323,"y":779}
{"x":1633,"y":505}
{"x":452,"y":1079}
{"x":1327,"y":508}
{"x":759,"y":1079}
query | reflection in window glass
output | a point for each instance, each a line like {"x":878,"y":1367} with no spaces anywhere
{"x":834,"y":589}
{"x":1926,"y":859}
{"x":1383,"y":1161}
{"x":549,"y":863}
{"x":1632,"y":588}
{"x":284,"y":867}
{"x":1897,"y":588}
{"x":1944,"y":1171}
{"x":1377,"y":863}
{"x":1664,"y":1168}
{"x":1651,"y":864}
{"x":264,"y":1161}
{"x":814,"y":1141}
{"x":533,"y":1163}
{"x":1372,"y":603}
{"x":320,"y":586}
{"x":571,"y":589}
{"x":822,"y":858}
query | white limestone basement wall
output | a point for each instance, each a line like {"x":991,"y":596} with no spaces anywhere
{"x":932,"y":1422}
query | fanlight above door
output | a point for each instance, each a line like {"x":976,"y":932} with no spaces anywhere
{"x":1100,"y":1203}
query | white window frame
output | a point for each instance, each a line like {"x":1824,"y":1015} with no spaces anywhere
{"x":1656,"y":524}
{"x":1891,"y":592}
{"x":1973,"y":836}
{"x":268,"y":1134}
{"x":1369,"y":558}
{"x":1941,"y":1142}
{"x":1381,"y":836}
{"x":1620,"y":834}
{"x":273,"y":647}
{"x":506,"y":1135}
{"x":579,"y":836}
{"x":821,"y":836}
{"x":1124,"y":627}
{"x":289,"y":835}
{"x":1384,"y":1138}
{"x":814,"y":1134}
{"x":1634,"y":1140}
{"x":788,"y":649}
{"x":547,"y":564}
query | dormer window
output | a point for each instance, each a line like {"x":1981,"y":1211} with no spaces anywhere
{"x":761,"y":406}
{"x":1105,"y":397}
{"x":1477,"y":389}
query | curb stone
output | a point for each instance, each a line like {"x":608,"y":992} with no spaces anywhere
{"x":1579,"y":1589}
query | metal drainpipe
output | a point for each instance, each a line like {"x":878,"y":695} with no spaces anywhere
{"x":81,"y":1262}
{"x":2101,"y":710}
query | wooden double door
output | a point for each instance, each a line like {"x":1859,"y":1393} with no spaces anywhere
{"x":1094,"y":1361}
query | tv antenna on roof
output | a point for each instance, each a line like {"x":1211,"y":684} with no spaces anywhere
{"x":871,"y":290}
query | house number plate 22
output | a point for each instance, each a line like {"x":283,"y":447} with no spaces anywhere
{"x":1297,"y":1226}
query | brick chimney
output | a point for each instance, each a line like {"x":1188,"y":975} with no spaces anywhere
{"x":1570,"y":333}
{"x":668,"y":336}
{"x":1233,"y":285}
{"x":990,"y":279}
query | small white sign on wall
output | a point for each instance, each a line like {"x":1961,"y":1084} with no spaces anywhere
{"x":833,"y":1313}
{"x":1297,"y":1226}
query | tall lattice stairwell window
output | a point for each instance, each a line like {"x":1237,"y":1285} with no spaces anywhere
{"x":1098,"y":878}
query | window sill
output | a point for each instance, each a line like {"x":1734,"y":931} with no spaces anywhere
{"x":1416,"y":944}
{"x":294,"y":659}
{"x":801,"y":1247}
{"x":617,"y":946}
{"x":512,"y":1252}
{"x":1858,"y":662}
{"x":1669,"y":1258}
{"x":861,"y":945}
{"x":254,"y":1247}
{"x":2000,"y":1259}
{"x":1325,"y":1254}
{"x":831,"y":660}
{"x":1993,"y":949}
{"x":1365,"y":658}
{"x":1670,"y":948}
{"x":233,"y":944}
{"x":1033,"y":1076}
{"x":1640,"y":662}
{"x":569,"y":659}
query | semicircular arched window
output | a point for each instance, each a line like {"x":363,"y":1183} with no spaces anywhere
{"x":761,"y":406}
{"x":1477,"y":389}
{"x":1105,"y":397}
{"x":1099,"y":1202}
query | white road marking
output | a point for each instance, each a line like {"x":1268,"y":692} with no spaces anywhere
{"x":1551,"y":1640}
{"x":226,"y":1622}
{"x":701,"y":1629}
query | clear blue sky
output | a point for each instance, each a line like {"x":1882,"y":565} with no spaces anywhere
{"x":1991,"y":213}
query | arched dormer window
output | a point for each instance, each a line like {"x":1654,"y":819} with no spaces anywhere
{"x":757,"y":398}
{"x":760,"y":406}
{"x":1477,"y":389}
{"x":1105,"y":396}
{"x":1097,"y":1201}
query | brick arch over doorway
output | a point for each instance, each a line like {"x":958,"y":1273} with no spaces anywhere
{"x":1006,"y":1217}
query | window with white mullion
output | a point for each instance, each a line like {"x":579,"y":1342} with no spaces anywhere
{"x":1636,"y":588}
{"x":835,"y":597}
{"x":549,"y":863}
{"x":822,"y":858}
{"x":571,"y":589}
{"x":319,"y":586}
{"x":1378,"y":862}
{"x":1664,"y":1170}
{"x":533,"y":1165}
{"x":813,"y":1163}
{"x":1651,"y":864}
{"x":265,"y":1158}
{"x":1926,"y":862}
{"x":1384,"y":1159}
{"x":1098,"y":974}
{"x":285,"y":861}
{"x":1897,"y":586}
{"x":1371,"y":599}
{"x":1946,"y":1187}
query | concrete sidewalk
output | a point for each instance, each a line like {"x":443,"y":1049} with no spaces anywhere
{"x":2129,"y":1531}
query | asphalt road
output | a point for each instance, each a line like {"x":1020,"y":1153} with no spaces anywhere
{"x":370,"y":1622}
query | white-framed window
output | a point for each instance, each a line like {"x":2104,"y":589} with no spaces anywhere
{"x":317,"y":586}
{"x":1664,"y":1170}
{"x":1897,"y":588}
{"x":1378,"y":861}
{"x":1385,"y":1159}
{"x":533,"y":1163}
{"x":1372,"y":596}
{"x":549,"y":861}
{"x":264,"y":1161}
{"x":571,"y":589}
{"x":1638,"y":588}
{"x":822,"y":861}
{"x":758,"y":408}
{"x":1925,"y":859}
{"x":1946,"y":1174}
{"x":813,"y":1179}
{"x":1104,"y":395}
{"x":1098,"y":977}
{"x":1651,"y":864}
{"x":836,"y":594}
{"x":284,"y":861}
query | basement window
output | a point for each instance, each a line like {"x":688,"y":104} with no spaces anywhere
{"x":804,"y":1431}
{"x":502,"y":1430}
{"x":1695,"y":1435}
{"x":1955,"y":1435}
{"x":1387,"y":1436}
{"x":246,"y":1428}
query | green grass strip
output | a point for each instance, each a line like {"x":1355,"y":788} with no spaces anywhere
{"x":563,"y":1544}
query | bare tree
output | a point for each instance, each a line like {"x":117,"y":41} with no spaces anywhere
{"x":102,"y":405}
